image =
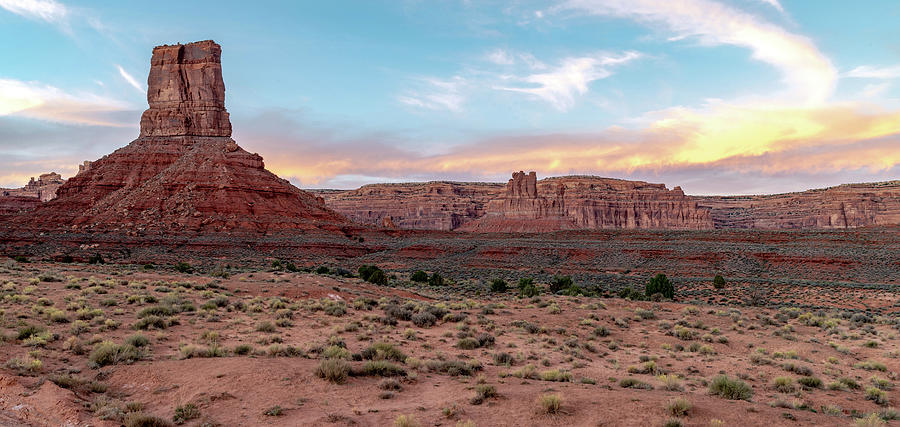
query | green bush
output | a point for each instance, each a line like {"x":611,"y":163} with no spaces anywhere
{"x":436,"y":280}
{"x":419,"y":276}
{"x":719,"y":282}
{"x":660,"y":285}
{"x":499,"y":285}
{"x":559,"y":283}
{"x":183,"y":267}
{"x":730,"y":389}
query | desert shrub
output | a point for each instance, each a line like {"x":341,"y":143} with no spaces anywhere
{"x":333,"y":370}
{"x":871,"y":366}
{"x":670,"y":382}
{"x":274,"y":411}
{"x":672,"y":422}
{"x":183,"y":267}
{"x":482,"y":393}
{"x":556,"y":375}
{"x":185,"y":412}
{"x":436,"y":280}
{"x":499,"y":285}
{"x":381,"y":368}
{"x":137,"y":340}
{"x":504,"y":359}
{"x":154,"y":322}
{"x":660,"y":285}
{"x":110,"y":353}
{"x":419,"y":276}
{"x":558,"y":283}
{"x":390,"y":384}
{"x":336,"y":352}
{"x":872,"y":420}
{"x":406,"y":421}
{"x":550,"y":403}
{"x":453,"y":367}
{"x":467,"y":343}
{"x":881,"y":383}
{"x":719,"y":282}
{"x":784,"y":385}
{"x":810,"y":382}
{"x":96,"y":259}
{"x":28,"y":331}
{"x":730,"y":389}
{"x":632,"y":294}
{"x":424,"y":319}
{"x":634,"y":383}
{"x":876,"y":395}
{"x":679,"y":407}
{"x":529,"y":290}
{"x":140,"y":419}
{"x":266,"y":326}
{"x":323,"y":270}
{"x":383,"y":351}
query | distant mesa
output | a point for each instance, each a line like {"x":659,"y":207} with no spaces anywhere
{"x":184,"y":172}
{"x":526,"y":204}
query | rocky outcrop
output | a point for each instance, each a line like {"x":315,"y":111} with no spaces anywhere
{"x":523,"y":205}
{"x":186,"y":92}
{"x":43,"y":188}
{"x":425,"y":206}
{"x":527,"y":204}
{"x":843,"y":206}
{"x":577,"y":202}
{"x":184,"y":172}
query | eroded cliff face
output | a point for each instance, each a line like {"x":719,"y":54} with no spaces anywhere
{"x":524,"y":204}
{"x":184,"y":172}
{"x":578,"y":202}
{"x":844,"y":206}
{"x":424,"y":206}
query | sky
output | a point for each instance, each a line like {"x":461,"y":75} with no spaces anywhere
{"x":715,"y":96}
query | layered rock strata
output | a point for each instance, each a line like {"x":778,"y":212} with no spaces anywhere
{"x":843,"y":206}
{"x":527,"y":204}
{"x":523,"y":205}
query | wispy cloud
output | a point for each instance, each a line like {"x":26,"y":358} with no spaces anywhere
{"x":130,"y":79}
{"x":572,"y":77}
{"x":46,"y":10}
{"x":872,"y":72}
{"x":808,"y":75}
{"x":49,"y":103}
{"x":774,"y":3}
{"x":436,"y":94}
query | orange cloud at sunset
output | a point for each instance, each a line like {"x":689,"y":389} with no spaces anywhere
{"x":746,"y":139}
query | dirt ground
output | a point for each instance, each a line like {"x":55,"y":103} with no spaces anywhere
{"x":117,"y":344}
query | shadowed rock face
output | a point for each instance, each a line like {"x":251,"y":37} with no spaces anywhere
{"x":184,"y":172}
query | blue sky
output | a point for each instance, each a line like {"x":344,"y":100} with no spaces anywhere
{"x":741,"y":96}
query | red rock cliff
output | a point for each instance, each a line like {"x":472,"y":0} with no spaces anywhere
{"x":844,"y":206}
{"x":523,"y":205}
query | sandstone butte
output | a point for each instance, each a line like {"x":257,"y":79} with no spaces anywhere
{"x":184,"y":172}
{"x":586,"y":202}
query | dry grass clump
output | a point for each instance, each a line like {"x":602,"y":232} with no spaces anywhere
{"x":550,"y":403}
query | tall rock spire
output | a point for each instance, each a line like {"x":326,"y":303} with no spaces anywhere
{"x":186,"y":92}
